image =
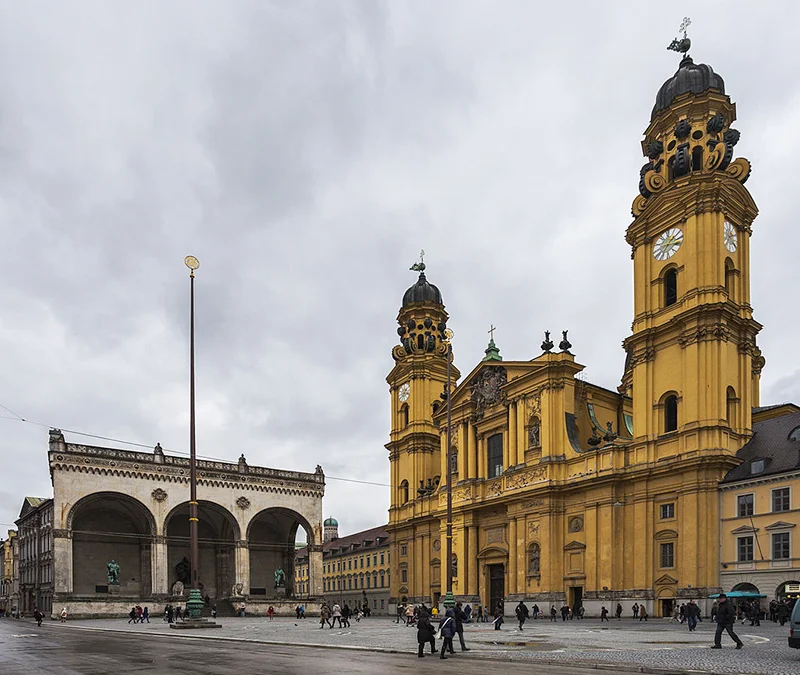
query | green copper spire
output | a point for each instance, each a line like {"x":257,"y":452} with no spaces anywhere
{"x":492,"y":352}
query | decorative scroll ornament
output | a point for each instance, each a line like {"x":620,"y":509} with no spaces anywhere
{"x":159,"y":495}
{"x":739,"y":169}
{"x":243,"y":503}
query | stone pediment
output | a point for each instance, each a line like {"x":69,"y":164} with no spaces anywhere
{"x":493,"y":551}
{"x":779,"y":525}
{"x":666,"y":534}
{"x":666,"y":579}
{"x":575,"y":546}
{"x":745,"y":529}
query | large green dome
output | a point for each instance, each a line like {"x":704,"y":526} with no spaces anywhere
{"x":331,"y":522}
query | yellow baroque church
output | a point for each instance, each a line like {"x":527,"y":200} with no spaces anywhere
{"x":564,"y":491}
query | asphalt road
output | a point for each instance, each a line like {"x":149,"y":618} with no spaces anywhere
{"x":59,"y":650}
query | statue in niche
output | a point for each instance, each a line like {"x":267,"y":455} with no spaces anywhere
{"x":112,"y":569}
{"x":533,"y":562}
{"x":454,"y":566}
{"x":534,"y":440}
{"x":182,"y":571}
{"x":280,"y":578}
{"x":177,"y":588}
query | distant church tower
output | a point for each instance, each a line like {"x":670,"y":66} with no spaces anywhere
{"x":692,"y":365}
{"x":330,"y":530}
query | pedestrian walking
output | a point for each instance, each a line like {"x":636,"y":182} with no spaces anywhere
{"x":498,"y":616}
{"x":146,"y":615}
{"x":692,"y":614}
{"x":522,"y":613}
{"x":213,"y":611}
{"x":642,"y":613}
{"x":447,"y":629}
{"x":409,"y":614}
{"x":782,"y":612}
{"x":726,"y":616}
{"x":459,"y":616}
{"x":619,"y":612}
{"x":132,"y":615}
{"x":270,"y":612}
{"x":324,"y":616}
{"x":63,"y":617}
{"x":553,"y":613}
{"x":603,"y":614}
{"x":425,"y":635}
{"x":38,"y":616}
{"x":635,"y":610}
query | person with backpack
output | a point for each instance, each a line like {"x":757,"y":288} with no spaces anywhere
{"x":447,"y":629}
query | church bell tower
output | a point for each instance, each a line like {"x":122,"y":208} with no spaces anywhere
{"x":416,"y":384}
{"x":693,"y":366}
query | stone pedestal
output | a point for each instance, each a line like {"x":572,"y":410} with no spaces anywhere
{"x":113,"y":589}
{"x":195,"y":623}
{"x":280,"y":593}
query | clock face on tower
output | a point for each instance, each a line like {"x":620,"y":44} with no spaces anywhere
{"x":404,"y":393}
{"x":729,"y":236}
{"x":668,"y":243}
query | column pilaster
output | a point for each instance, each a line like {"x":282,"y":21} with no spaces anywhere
{"x":242,"y":562}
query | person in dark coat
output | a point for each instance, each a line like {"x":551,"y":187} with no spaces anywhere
{"x":603,"y":614}
{"x":619,"y":612}
{"x":460,"y":617}
{"x":425,"y":634}
{"x":782,"y":611}
{"x":447,"y":629}
{"x":726,"y":616}
{"x":38,"y":616}
{"x":522,"y":613}
{"x":692,"y":614}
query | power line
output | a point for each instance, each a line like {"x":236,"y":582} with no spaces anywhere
{"x":150,"y":447}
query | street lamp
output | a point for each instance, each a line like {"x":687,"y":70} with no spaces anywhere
{"x":449,"y":599}
{"x":194,"y":605}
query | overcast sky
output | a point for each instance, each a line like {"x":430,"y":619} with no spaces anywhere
{"x":305,"y":152}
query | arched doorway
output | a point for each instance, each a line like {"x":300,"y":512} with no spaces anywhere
{"x":217,"y":535}
{"x":745,"y":588}
{"x":272,"y":538}
{"x":788,"y":590}
{"x":111,"y":526}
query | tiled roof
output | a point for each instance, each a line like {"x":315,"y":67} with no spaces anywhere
{"x":771,"y":443}
{"x":333,"y":548}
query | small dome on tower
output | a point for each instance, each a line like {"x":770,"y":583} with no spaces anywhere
{"x":331,"y":522}
{"x":690,"y":77}
{"x":422,"y":291}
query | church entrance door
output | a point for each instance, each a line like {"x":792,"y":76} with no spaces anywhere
{"x":575,"y":597}
{"x":667,"y":606}
{"x":497,"y":586}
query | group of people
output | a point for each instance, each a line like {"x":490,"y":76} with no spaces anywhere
{"x":171,"y":614}
{"x":688,"y":613}
{"x":337,"y":614}
{"x":639,"y":611}
{"x":139,"y":614}
{"x":450,"y":625}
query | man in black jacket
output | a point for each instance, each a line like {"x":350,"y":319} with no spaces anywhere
{"x":460,"y":617}
{"x":726,"y":616}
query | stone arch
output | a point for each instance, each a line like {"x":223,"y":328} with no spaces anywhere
{"x":271,"y":537}
{"x":109,"y":526}
{"x":218,"y":532}
{"x":746,"y":587}
{"x":781,"y":592}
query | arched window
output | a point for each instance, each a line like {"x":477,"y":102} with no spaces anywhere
{"x":730,"y":278}
{"x":534,"y":553}
{"x":697,"y":158}
{"x":421,"y":342}
{"x":404,"y":416}
{"x":670,"y":413}
{"x":670,"y":287}
{"x":730,"y":406}
{"x":671,"y":168}
{"x":404,"y":492}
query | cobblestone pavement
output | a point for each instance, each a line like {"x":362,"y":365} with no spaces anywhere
{"x":657,"y":644}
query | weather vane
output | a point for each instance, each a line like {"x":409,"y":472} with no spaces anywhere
{"x":419,"y":266}
{"x":683,"y":44}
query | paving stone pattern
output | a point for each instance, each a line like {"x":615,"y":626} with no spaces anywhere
{"x":653,"y":646}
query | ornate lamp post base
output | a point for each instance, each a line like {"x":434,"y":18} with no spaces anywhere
{"x":194,"y":606}
{"x":449,"y":600}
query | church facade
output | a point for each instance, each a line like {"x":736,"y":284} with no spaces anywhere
{"x":132,"y":508}
{"x":565,"y":491}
